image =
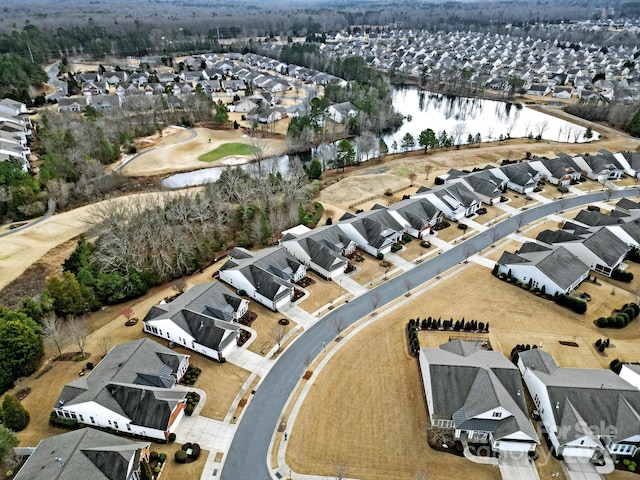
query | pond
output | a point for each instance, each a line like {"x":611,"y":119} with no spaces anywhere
{"x":459,"y":116}
{"x":462,"y":116}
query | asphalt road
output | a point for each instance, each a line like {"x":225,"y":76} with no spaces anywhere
{"x":247,"y":456}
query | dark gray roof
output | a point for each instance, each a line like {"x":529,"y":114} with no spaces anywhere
{"x":520,"y":173}
{"x":597,"y":397}
{"x":596,"y":219}
{"x":466,"y":382}
{"x":576,"y":229}
{"x":627,"y":204}
{"x":418,"y":212}
{"x":84,"y":454}
{"x":212,"y":299}
{"x":268,"y":270}
{"x":557,"y":236}
{"x":607,"y":247}
{"x":632,"y":228}
{"x":560,"y":166}
{"x":141,"y":366}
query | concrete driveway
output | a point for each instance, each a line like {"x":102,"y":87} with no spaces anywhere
{"x":517,"y":467}
{"x":581,"y":468}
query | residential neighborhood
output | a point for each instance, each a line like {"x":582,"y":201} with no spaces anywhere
{"x":259,"y":241}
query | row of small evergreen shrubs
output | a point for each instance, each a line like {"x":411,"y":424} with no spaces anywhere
{"x":572,"y":303}
{"x":192,"y":400}
{"x":414,"y":342}
{"x":506,"y":277}
{"x":628,"y":313}
{"x":441,"y":225}
{"x":57,"y":421}
{"x":191,"y":375}
{"x":461,"y":325}
{"x":515,"y":351}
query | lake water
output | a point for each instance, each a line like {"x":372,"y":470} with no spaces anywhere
{"x":490,"y":118}
{"x":423,"y":110}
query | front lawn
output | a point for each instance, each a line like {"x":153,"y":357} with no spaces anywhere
{"x":227,"y":149}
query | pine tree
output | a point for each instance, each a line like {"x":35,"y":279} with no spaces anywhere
{"x":14,"y":415}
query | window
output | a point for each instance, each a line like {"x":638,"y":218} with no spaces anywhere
{"x":129,"y":426}
{"x":109,"y":422}
{"x":497,"y":414}
{"x":81,"y":418}
{"x":92,"y":420}
{"x":115,"y":424}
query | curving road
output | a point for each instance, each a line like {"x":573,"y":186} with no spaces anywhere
{"x":247,"y":456}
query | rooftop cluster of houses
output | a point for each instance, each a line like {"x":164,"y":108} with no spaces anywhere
{"x":232,"y":74}
{"x":479,"y":394}
{"x":545,"y":66}
{"x":560,"y":259}
{"x":15,"y":132}
{"x":269,"y":276}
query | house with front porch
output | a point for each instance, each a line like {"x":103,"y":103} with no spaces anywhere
{"x":267,"y":276}
{"x":455,"y":200}
{"x":561,"y":171}
{"x":554,"y":270}
{"x":85,"y":453}
{"x":340,"y":112}
{"x":602,"y":250}
{"x":201,"y":319}
{"x":374,"y":231}
{"x":599,"y":168}
{"x":586,"y":412}
{"x":322,"y":249}
{"x":478,"y":394}
{"x":129,"y":391}
{"x":521,"y":177}
{"x":416,"y":215}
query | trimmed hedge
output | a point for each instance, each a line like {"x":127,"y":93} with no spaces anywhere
{"x":627,"y":314}
{"x":622,"y":275}
{"x":573,"y":303}
{"x":57,"y":421}
{"x":181,"y":456}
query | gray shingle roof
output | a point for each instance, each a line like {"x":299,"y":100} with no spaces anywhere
{"x":466,"y":382}
{"x":596,"y":219}
{"x":140,"y":369}
{"x":599,"y":397}
{"x":84,"y":454}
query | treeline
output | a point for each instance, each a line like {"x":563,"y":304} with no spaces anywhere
{"x":18,"y":75}
{"x":142,"y":243}
{"x":21,"y":347}
{"x":75,"y":148}
{"x":618,"y":115}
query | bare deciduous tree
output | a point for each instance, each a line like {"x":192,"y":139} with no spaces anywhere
{"x":375,"y":301}
{"x":385,"y":266}
{"x":338,"y":325}
{"x":412,"y":179}
{"x":53,"y":332}
{"x":180,"y":285}
{"x":278,"y":333}
{"x":427,"y":171}
{"x":105,"y":345}
{"x":341,"y":470}
{"x":79,"y":331}
{"x":408,"y":285}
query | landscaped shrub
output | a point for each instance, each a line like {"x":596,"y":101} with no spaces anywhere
{"x":154,"y":455}
{"x":396,"y":247}
{"x":181,"y":456}
{"x":622,"y":275}
{"x":380,"y":256}
{"x":14,"y":415}
{"x":406,"y":238}
{"x":601,"y":322}
{"x":188,"y":410}
{"x":56,"y":421}
{"x":195,"y":451}
{"x":575,"y":304}
{"x":172,"y":437}
{"x":616,"y":366}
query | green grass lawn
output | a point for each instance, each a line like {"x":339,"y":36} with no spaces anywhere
{"x":225,"y":150}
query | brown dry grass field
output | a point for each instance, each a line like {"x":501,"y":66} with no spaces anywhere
{"x":368,"y":270}
{"x":173,"y":469}
{"x":264,"y":325}
{"x":454,"y":234}
{"x":371,"y":421}
{"x":321,"y":293}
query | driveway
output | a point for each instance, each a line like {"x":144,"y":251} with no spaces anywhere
{"x":517,"y":467}
{"x":581,"y":469}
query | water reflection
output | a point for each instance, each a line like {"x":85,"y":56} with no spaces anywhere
{"x":491,"y":119}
